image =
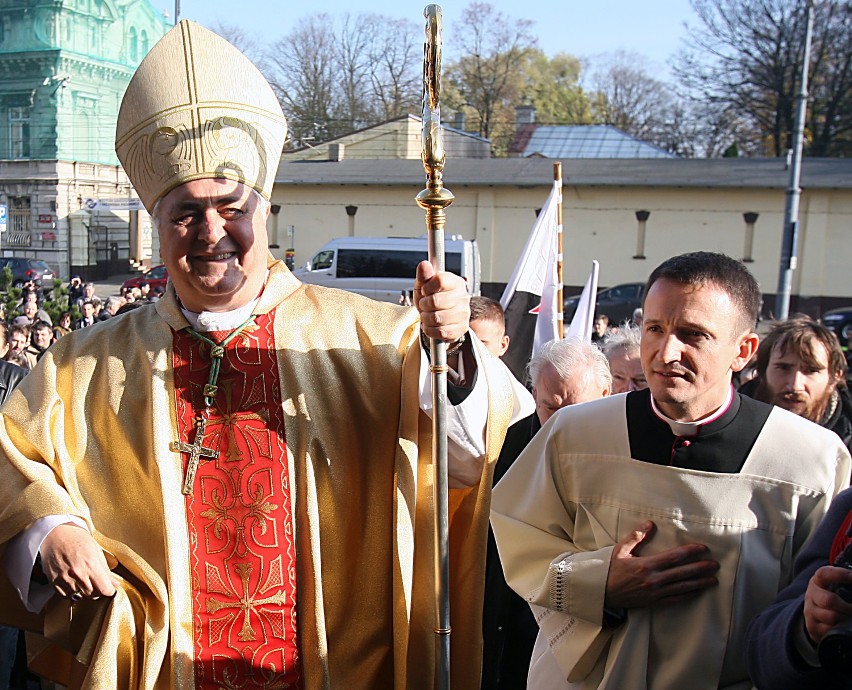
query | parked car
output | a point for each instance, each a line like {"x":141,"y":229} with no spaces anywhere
{"x":839,"y":321}
{"x":617,"y":302}
{"x":155,"y":277}
{"x":25,"y":270}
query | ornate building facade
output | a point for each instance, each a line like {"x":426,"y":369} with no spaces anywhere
{"x":64,"y":66}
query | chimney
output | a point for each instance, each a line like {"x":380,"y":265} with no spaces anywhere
{"x":524,"y":115}
{"x":336,"y":152}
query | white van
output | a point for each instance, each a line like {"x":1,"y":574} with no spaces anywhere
{"x":384,"y":267}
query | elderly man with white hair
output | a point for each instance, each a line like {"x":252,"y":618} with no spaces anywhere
{"x":622,"y":353}
{"x":562,"y":373}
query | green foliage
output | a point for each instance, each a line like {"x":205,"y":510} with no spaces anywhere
{"x":5,"y":279}
{"x":55,"y":300}
{"x":553,"y":87}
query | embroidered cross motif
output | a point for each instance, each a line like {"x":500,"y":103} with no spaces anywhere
{"x":231,"y":418}
{"x":196,"y":451}
{"x":246,"y":602}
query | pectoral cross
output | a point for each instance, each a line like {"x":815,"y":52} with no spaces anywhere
{"x":196,"y":451}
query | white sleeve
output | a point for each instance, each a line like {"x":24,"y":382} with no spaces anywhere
{"x":21,"y":555}
{"x":466,"y":421}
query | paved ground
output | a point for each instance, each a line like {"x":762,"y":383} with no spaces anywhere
{"x":110,"y":286}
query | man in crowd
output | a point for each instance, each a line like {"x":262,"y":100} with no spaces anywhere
{"x":88,"y":316}
{"x":75,"y":289}
{"x":649,"y":528}
{"x":622,"y":352}
{"x":488,"y":321}
{"x":19,"y":346}
{"x":89,"y":296}
{"x":784,"y":641}
{"x":802,"y":368}
{"x":242,"y":494}
{"x":10,"y":376}
{"x":563,"y":372}
{"x":599,"y":328}
{"x":41,"y":339}
{"x":113,"y":304}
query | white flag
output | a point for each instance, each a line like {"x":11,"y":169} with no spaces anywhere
{"x":534,"y":275}
{"x":581,"y":324}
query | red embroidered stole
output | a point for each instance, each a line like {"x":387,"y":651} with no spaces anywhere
{"x":242,"y":548}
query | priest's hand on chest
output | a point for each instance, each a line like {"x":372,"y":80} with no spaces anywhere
{"x":75,"y":565}
{"x":636,"y":581}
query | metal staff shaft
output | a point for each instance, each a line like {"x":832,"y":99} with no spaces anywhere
{"x":434,"y":199}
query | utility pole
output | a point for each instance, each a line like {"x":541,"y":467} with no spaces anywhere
{"x":177,"y":11}
{"x":789,"y":257}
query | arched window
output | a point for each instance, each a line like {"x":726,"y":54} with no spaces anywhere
{"x":144,"y":43}
{"x":134,"y":47}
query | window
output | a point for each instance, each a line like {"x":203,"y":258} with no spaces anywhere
{"x":144,"y":43}
{"x":322,"y":260}
{"x":134,"y":44}
{"x":20,"y":222}
{"x":378,"y":263}
{"x":19,"y":132}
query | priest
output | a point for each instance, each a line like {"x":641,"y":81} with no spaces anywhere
{"x":232,"y":487}
{"x":647,"y":529}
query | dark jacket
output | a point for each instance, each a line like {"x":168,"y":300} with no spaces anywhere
{"x":508,"y":626}
{"x":773,"y":662}
{"x":10,"y":377}
{"x":840,"y":421}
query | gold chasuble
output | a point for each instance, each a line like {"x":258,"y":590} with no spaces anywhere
{"x":324,"y":454}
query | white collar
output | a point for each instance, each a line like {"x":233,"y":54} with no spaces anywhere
{"x":206,"y":321}
{"x":692,"y":428}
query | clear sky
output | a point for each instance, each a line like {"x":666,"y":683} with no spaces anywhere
{"x":653,"y":28}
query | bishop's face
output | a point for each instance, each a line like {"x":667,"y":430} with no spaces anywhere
{"x":214,"y":244}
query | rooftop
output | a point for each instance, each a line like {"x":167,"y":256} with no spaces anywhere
{"x":736,"y":173}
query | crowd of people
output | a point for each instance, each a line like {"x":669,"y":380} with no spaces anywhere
{"x":242,"y":494}
{"x":28,"y":331}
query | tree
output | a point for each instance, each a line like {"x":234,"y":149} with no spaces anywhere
{"x":396,"y":60}
{"x":625,"y":95}
{"x":333,"y":79}
{"x":746,"y":55}
{"x":303,"y":74}
{"x":552,"y":85}
{"x":240,"y":38}
{"x":488,"y":77}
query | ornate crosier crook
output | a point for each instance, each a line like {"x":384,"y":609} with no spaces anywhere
{"x":434,"y":200}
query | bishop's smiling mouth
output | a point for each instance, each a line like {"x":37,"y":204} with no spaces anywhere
{"x":215,"y":257}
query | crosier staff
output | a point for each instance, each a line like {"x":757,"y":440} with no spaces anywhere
{"x":434,"y":199}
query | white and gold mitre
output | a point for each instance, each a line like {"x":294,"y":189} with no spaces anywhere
{"x":197,"y":108}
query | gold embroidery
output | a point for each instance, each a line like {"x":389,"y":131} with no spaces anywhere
{"x":246,"y":602}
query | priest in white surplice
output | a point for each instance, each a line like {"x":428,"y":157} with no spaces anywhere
{"x":647,"y":529}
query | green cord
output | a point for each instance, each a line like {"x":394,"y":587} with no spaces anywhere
{"x":217,"y":352}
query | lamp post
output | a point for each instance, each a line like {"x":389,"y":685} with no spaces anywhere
{"x":789,"y":258}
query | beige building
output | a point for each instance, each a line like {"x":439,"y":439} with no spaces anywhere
{"x":686,"y":205}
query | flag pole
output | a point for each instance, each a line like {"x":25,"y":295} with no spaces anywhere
{"x":557,"y":178}
{"x":434,"y":199}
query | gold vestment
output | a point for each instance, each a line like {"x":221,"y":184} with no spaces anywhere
{"x":87,"y":433}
